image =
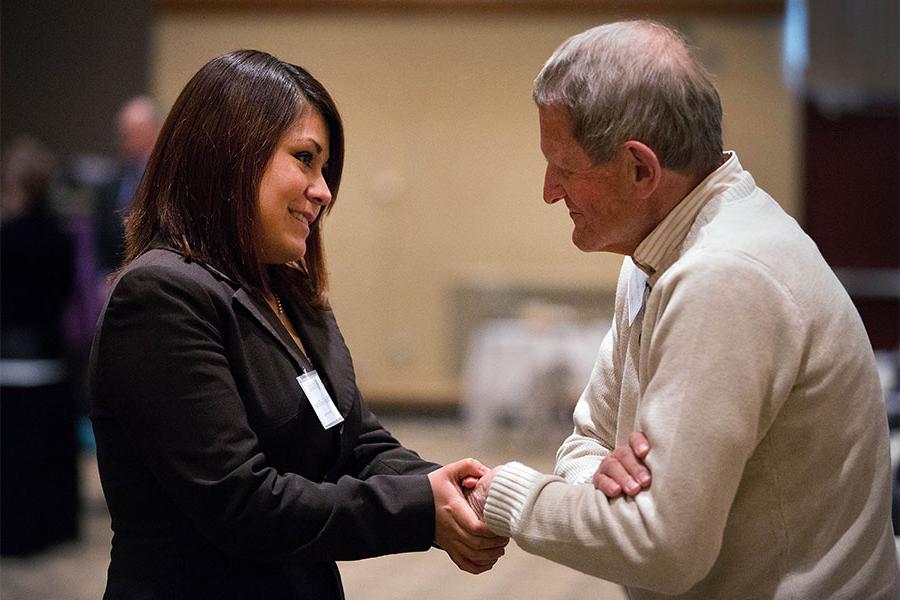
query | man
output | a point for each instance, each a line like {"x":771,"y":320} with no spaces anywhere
{"x":137,"y":126}
{"x":734,"y":349}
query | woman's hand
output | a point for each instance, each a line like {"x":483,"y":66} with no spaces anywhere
{"x":624,"y":469}
{"x":457,"y":529}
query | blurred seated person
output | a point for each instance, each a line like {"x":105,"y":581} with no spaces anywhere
{"x":237,"y":455}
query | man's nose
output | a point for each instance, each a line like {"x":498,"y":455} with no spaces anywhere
{"x":553,"y":191}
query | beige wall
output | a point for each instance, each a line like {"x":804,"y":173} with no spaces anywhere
{"x":442,"y":183}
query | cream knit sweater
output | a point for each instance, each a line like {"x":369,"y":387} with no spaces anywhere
{"x":751,"y":373}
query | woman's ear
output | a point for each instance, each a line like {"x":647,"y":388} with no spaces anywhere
{"x":646,"y":172}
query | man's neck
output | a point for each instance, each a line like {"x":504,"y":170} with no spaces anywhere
{"x":674,"y":188}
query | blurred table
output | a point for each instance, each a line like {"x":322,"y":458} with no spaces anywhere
{"x":527,"y":372}
{"x":38,"y":456}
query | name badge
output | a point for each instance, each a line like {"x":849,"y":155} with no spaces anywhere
{"x":319,"y":399}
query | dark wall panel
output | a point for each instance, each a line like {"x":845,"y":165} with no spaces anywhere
{"x":66,"y":67}
{"x":852,"y":201}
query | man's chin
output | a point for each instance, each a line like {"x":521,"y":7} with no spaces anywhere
{"x":580,"y":242}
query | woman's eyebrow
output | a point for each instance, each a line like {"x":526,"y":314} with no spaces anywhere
{"x":314,"y":143}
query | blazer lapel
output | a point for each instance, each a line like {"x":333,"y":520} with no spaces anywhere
{"x":320,"y":336}
{"x":267,"y":321}
{"x":330,"y":356}
{"x":327,"y":352}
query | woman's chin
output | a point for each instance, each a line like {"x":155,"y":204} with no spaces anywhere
{"x":285,"y":256}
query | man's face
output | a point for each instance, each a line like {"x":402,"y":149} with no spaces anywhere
{"x":599,"y":197}
{"x":137,"y":131}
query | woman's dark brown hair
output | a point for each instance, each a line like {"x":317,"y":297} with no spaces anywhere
{"x":199,"y":193}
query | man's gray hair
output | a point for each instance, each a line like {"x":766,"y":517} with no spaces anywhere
{"x":636,"y":80}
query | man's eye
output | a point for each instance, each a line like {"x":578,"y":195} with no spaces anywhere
{"x":563,"y":173}
{"x":305,"y":157}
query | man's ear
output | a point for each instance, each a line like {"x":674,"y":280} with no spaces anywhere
{"x":645,"y":170}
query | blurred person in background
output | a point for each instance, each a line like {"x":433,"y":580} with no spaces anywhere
{"x":734,"y":349}
{"x":39,"y":497}
{"x":236,"y":453}
{"x":137,"y":126}
{"x":38,"y":267}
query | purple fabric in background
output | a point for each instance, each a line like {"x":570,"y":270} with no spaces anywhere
{"x":90,"y":287}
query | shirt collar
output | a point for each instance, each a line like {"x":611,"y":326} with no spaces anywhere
{"x":660,"y":249}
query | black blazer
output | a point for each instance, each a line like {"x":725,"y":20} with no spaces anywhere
{"x":220,"y":479}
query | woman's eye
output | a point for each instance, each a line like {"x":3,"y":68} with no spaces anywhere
{"x":305,"y":157}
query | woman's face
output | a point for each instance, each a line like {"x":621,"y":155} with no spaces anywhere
{"x":293,"y":189}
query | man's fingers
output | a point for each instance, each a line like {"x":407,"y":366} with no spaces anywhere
{"x":610,"y":488}
{"x":618,"y":471}
{"x":639,"y":444}
{"x":624,"y":470}
{"x":634,"y":470}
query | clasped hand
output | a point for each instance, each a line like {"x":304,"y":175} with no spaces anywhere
{"x":457,"y":529}
{"x":622,"y":471}
{"x":461,"y":490}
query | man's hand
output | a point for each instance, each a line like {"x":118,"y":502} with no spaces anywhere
{"x":457,"y":530}
{"x":624,"y":469}
{"x":476,"y":492}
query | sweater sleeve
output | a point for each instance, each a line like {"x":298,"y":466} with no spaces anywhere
{"x":723,"y":340}
{"x":595,"y":419}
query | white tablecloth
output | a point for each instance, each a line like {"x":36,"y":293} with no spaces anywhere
{"x":521,"y":371}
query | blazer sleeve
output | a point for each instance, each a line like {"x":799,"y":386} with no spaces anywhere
{"x":378,"y":452}
{"x":161,"y":366}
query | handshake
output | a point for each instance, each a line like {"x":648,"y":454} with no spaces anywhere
{"x":461,"y":489}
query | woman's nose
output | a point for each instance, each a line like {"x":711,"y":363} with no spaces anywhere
{"x":319,"y":193}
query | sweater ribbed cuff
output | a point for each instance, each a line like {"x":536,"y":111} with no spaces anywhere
{"x":510,"y":489}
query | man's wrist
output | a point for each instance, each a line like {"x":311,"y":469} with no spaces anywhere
{"x":511,"y":486}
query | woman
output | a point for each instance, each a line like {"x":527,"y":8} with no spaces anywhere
{"x":237,"y":456}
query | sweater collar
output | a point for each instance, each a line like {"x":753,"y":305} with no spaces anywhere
{"x":660,"y":248}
